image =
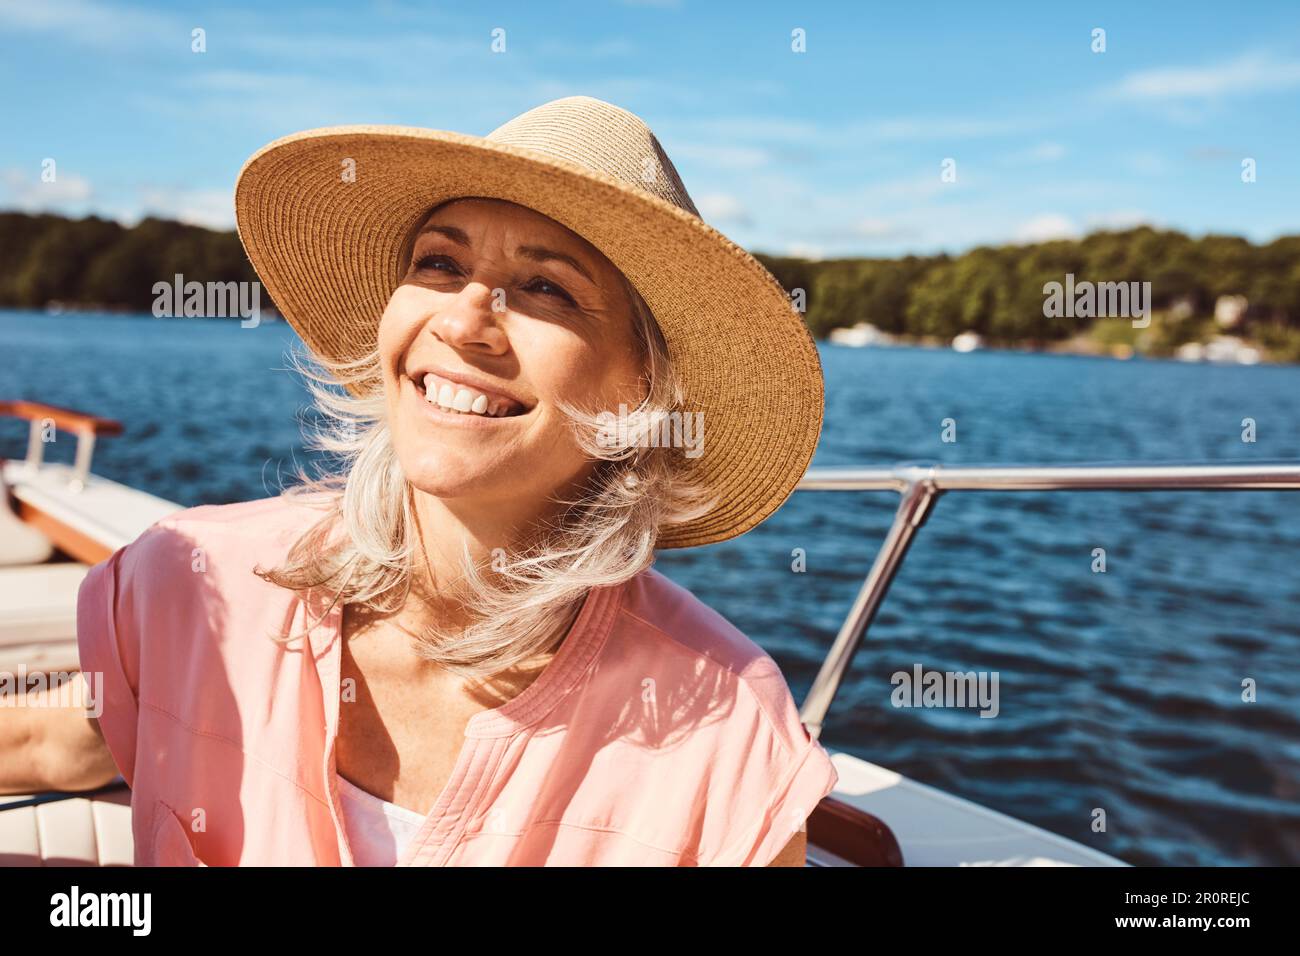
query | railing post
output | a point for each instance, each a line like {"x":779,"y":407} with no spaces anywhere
{"x":918,"y":497}
{"x":81,"y":467}
{"x":35,"y":444}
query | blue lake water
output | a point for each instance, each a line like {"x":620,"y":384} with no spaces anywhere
{"x":1119,"y":691}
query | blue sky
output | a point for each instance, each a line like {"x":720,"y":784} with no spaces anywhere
{"x":835,"y":151}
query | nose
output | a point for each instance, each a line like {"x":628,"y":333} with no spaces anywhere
{"x":468,"y":321}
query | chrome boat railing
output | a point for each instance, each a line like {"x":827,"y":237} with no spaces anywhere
{"x":920,"y":485}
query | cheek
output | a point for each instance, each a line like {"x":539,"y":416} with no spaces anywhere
{"x":405,"y":315}
{"x":599,"y":374}
{"x":615,"y":379}
{"x":399,"y":324}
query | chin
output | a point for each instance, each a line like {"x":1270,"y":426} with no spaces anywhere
{"x":443,"y":475}
{"x":448,"y":469}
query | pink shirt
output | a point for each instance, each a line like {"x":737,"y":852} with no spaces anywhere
{"x":658,"y":735}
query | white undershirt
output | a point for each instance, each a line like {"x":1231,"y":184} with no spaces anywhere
{"x":378,"y":831}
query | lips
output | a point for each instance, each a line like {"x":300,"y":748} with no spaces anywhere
{"x":464,"y":398}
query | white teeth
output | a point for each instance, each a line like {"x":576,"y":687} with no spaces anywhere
{"x":455,"y":398}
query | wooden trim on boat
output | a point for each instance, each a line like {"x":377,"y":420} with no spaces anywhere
{"x":861,"y":838}
{"x":67,"y":419}
{"x":70,"y":541}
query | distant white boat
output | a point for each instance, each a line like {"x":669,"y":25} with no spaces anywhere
{"x":857,"y":336}
{"x":967,"y":342}
{"x":1222,"y":348}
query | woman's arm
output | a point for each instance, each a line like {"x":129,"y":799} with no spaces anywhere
{"x":794,"y":852}
{"x":44,"y":746}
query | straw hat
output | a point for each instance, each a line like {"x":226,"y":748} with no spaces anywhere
{"x":325,"y":216}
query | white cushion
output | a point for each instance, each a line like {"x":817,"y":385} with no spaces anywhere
{"x":38,"y":615}
{"x":20,"y":543}
{"x":78,"y":831}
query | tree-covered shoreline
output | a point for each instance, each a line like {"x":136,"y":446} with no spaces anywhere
{"x":998,"y":292}
{"x":994,"y":291}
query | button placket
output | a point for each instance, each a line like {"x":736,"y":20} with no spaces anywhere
{"x":326,"y":638}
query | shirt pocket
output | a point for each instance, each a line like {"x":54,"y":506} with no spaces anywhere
{"x":171,"y":844}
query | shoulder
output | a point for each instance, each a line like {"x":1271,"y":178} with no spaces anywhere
{"x":206,"y":555}
{"x":175,"y":618}
{"x":272,"y":519}
{"x":673,"y":626}
{"x":261,"y":531}
{"x":192,"y":579}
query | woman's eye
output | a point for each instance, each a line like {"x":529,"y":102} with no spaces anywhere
{"x":434,"y":262}
{"x":546,"y":287}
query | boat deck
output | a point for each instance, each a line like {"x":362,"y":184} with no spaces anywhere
{"x":935,"y":828}
{"x":106,"y":512}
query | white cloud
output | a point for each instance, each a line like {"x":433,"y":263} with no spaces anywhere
{"x":210,"y":208}
{"x":802,"y":250}
{"x":1118,"y":219}
{"x":594,"y":50}
{"x":30,"y":194}
{"x":213,"y":208}
{"x":719,"y":208}
{"x":1050,"y":226}
{"x":1042,"y":153}
{"x":91,"y":23}
{"x":1215,"y":154}
{"x":1147,"y":162}
{"x":900,"y":190}
{"x":911,"y":129}
{"x":1252,"y":73}
{"x":761,"y":128}
{"x":874,"y":228}
{"x":1045,"y":227}
{"x":726,"y":157}
{"x":411,"y":48}
{"x":867,"y":231}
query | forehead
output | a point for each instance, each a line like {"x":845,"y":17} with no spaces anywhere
{"x":475,"y":215}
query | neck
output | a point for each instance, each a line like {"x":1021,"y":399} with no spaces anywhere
{"x":446,"y":527}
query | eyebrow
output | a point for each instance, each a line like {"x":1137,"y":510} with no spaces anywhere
{"x":542,"y":254}
{"x":457,"y":236}
{"x":535,"y":253}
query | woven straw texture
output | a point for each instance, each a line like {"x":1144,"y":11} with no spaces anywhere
{"x":330,"y":252}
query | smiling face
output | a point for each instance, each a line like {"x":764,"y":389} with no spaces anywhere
{"x":502,"y":313}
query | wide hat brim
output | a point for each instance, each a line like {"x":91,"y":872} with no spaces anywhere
{"x":329,"y":247}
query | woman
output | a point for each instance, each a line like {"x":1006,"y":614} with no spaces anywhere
{"x":454,"y":650}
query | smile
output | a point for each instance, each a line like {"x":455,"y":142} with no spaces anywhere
{"x":457,"y":399}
